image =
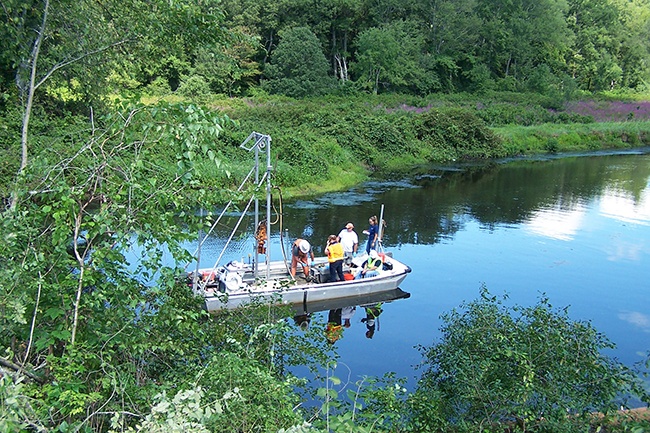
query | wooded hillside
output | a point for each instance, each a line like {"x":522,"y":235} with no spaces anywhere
{"x":82,"y":50}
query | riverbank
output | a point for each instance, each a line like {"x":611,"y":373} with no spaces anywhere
{"x":330,"y":144}
{"x":578,"y":137}
{"x":333,"y":143}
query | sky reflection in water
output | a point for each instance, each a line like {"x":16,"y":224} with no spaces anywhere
{"x":576,"y":230}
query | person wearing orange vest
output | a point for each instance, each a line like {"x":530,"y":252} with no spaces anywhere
{"x":300,"y":253}
{"x":335,"y":256}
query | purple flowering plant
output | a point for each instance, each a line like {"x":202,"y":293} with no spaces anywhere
{"x":611,"y":111}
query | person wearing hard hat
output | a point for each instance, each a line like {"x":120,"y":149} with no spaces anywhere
{"x":301,"y":252}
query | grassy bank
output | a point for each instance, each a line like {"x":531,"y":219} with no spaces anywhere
{"x":553,"y":138}
{"x":332,"y":143}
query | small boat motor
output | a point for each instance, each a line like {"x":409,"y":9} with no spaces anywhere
{"x":231,"y":276}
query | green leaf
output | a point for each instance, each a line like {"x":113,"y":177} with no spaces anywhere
{"x":335,"y":380}
{"x":54,"y":312}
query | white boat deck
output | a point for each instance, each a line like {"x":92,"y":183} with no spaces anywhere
{"x":280,"y":288}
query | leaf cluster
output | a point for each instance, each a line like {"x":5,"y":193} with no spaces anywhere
{"x":524,"y":366}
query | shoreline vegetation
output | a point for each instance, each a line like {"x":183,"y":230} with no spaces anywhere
{"x":330,"y":144}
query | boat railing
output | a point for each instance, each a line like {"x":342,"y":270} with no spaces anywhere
{"x":260,"y":141}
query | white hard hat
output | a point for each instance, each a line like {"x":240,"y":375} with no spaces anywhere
{"x":373,"y":254}
{"x":304,"y":246}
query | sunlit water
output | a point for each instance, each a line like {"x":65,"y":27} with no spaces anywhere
{"x":576,"y":229}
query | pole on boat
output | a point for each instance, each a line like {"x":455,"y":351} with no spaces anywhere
{"x":381,"y":227}
{"x":257,"y":204}
{"x":195,"y":278}
{"x":269,"y":168}
{"x":260,"y":141}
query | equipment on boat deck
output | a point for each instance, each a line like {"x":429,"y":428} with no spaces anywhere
{"x":231,"y":276}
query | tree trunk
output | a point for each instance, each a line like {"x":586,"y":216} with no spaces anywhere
{"x":376,"y":89}
{"x":342,"y":67}
{"x":31,"y":89}
{"x":32,"y":86}
{"x":344,"y":60}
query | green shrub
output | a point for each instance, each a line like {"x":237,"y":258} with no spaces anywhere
{"x":552,"y":145}
{"x":298,"y":152}
{"x":194,"y":86}
{"x":459,"y":131}
{"x":158,"y":87}
{"x":520,"y":366}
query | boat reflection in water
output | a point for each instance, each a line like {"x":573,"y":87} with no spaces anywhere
{"x":340,"y":312}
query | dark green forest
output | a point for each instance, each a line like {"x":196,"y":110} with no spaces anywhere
{"x":118,"y":120}
{"x":304,"y":48}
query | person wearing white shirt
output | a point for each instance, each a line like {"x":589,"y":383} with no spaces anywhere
{"x":349,"y":240}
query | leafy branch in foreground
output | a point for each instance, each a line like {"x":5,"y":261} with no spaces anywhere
{"x":92,"y":304}
{"x":82,"y":251}
{"x":527,"y":366}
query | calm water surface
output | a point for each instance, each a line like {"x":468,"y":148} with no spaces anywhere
{"x":576,"y":229}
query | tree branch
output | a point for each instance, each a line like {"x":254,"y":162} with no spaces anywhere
{"x":15,"y":367}
{"x":76,"y":59}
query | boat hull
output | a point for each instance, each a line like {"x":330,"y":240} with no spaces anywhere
{"x":280,"y":289}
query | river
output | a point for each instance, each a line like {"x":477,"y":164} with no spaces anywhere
{"x":573,"y":228}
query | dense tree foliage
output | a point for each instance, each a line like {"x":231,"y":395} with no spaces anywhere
{"x":442,"y":45}
{"x":468,"y":44}
{"x":298,"y":67}
{"x":61,"y":54}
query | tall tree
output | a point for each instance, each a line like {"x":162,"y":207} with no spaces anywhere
{"x":56,"y":43}
{"x":298,"y":67}
{"x":516,"y":36}
{"x":389,"y":56}
{"x":229,"y":69}
{"x":342,"y":21}
{"x":452,"y":34}
{"x":598,"y":30}
{"x":634,"y":54}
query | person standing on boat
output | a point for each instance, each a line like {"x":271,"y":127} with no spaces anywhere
{"x":335,"y":256}
{"x":373,"y":234}
{"x":371,"y":267}
{"x":301,"y":252}
{"x":349,"y":240}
